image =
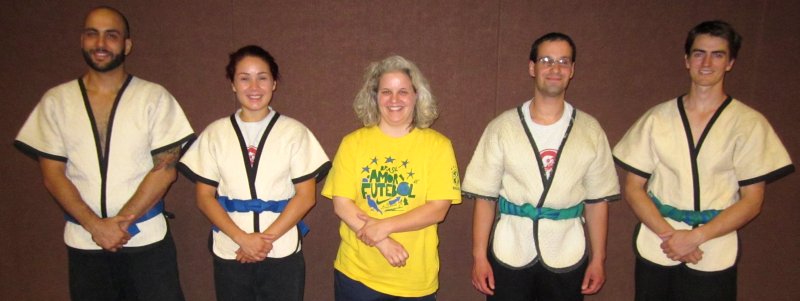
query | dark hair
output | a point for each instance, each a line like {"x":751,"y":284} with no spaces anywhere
{"x":716,"y":28}
{"x":255,"y":51}
{"x":127,"y":32}
{"x":553,"y":36}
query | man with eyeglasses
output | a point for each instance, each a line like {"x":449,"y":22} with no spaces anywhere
{"x":545,"y":167}
{"x":696,"y":170}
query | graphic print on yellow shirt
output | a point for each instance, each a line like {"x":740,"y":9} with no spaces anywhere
{"x":387,"y":184}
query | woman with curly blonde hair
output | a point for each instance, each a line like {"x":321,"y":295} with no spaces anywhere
{"x":392,"y":183}
{"x":366,"y":104}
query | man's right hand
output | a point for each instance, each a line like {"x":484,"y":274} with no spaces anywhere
{"x":483,"y":277}
{"x":111,"y":233}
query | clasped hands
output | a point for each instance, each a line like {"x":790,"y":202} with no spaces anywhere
{"x":111,"y":233}
{"x":253,"y":247}
{"x":374,"y":233}
{"x":682,"y":245}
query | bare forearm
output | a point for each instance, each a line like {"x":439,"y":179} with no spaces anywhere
{"x":483,"y":216}
{"x":433,"y":212}
{"x":108,"y":233}
{"x":597,"y":225}
{"x":150,"y":191}
{"x":155,"y":184}
{"x":64,"y":192}
{"x":348,"y":212}
{"x":208,"y":204}
{"x":735,"y":216}
{"x":642,"y":206}
{"x":303,"y":200}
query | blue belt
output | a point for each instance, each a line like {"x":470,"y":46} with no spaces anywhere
{"x":132,"y":229}
{"x":257,"y":206}
{"x":537,"y":213}
{"x":689,"y":217}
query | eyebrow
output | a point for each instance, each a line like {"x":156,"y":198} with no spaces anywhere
{"x":246,"y":73}
{"x":113,"y":30}
{"x":712,"y":51}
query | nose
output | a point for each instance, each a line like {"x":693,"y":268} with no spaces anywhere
{"x":557,"y":68}
{"x":100,"y":42}
{"x":251,"y":84}
{"x":706,"y":60}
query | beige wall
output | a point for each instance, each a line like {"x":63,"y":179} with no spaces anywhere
{"x":475,"y":56}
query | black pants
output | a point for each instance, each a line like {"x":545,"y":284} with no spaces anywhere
{"x":278,"y":279}
{"x":680,"y":283}
{"x":536,"y":283}
{"x":131,"y":274}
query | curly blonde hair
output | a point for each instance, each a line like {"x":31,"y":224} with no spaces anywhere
{"x":366,"y":102}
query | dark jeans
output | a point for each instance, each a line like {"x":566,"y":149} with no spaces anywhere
{"x":347,"y":289}
{"x":138,"y":273}
{"x":278,"y":279}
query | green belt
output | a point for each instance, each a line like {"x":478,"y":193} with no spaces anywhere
{"x":535,"y":213}
{"x":689,"y":217}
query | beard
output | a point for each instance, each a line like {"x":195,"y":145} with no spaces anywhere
{"x":116,"y":60}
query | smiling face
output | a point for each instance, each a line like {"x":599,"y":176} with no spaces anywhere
{"x":103,"y":41}
{"x":708,"y":60}
{"x":552,"y":81}
{"x":253,"y":85}
{"x":396,"y":101}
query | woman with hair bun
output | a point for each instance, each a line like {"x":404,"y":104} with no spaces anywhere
{"x":255,"y":173}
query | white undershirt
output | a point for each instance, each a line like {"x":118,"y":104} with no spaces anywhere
{"x":548,"y":138}
{"x":252,"y":131}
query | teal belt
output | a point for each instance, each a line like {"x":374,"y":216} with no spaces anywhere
{"x":536,"y":213}
{"x":689,"y":217}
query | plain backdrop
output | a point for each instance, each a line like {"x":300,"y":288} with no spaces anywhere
{"x":475,"y":54}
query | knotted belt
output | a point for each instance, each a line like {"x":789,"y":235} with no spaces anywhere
{"x":689,"y":217}
{"x":537,"y":213}
{"x":157,"y":209}
{"x":257,"y":206}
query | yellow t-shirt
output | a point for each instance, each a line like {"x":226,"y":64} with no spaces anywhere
{"x":385,"y":177}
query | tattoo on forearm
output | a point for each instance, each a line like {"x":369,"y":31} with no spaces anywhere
{"x":166,"y":159}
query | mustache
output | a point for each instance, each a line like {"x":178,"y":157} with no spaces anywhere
{"x":100,"y":50}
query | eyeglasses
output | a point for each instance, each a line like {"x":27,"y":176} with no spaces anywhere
{"x":549,"y":62}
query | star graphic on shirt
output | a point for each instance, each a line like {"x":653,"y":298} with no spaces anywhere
{"x":389,"y":160}
{"x":405,"y":163}
{"x":365,"y":169}
{"x":411,"y":174}
{"x":375,"y":160}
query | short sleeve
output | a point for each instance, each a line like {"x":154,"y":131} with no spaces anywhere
{"x":341,"y":177}
{"x":445,"y":183}
{"x":634,"y":151}
{"x":168,"y":124}
{"x":601,"y":180}
{"x":485,"y":170}
{"x":759,"y":154}
{"x":308,"y":158}
{"x":199,"y":163}
{"x":41,"y":134}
